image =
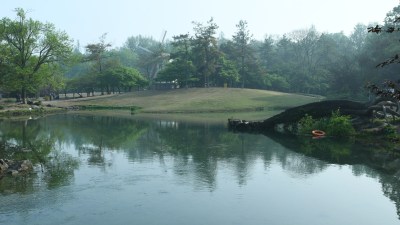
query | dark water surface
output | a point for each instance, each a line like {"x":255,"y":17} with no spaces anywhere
{"x":115,"y":170}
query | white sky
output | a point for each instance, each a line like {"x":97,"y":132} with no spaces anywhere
{"x":87,"y":20}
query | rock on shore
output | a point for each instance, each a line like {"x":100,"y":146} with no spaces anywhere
{"x":14,"y":167}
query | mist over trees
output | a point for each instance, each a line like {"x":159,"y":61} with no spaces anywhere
{"x":302,"y":61}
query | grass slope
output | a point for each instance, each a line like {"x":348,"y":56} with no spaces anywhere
{"x":196,"y":100}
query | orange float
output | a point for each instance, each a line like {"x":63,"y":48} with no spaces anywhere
{"x":318,"y":133}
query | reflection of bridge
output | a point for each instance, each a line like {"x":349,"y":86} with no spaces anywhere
{"x":168,"y":124}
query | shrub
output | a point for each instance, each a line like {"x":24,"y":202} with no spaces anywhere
{"x":336,"y":125}
{"x":339,"y":125}
{"x":389,"y":130}
{"x":306,"y":124}
{"x":10,"y":100}
{"x":38,"y":103}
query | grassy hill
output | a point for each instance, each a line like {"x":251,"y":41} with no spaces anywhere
{"x":202,"y":104}
{"x":197,"y":100}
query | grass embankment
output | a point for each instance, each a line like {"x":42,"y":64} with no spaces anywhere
{"x":195,"y":100}
{"x":8,"y":108}
{"x":206,"y":101}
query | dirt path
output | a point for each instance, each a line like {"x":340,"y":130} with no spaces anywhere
{"x":70,"y":102}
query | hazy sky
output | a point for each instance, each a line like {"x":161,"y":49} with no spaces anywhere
{"x":87,"y":20}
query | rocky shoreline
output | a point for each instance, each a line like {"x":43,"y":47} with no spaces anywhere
{"x":14,"y":167}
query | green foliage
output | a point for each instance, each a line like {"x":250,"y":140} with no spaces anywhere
{"x":307,"y":124}
{"x":178,"y":71}
{"x":334,"y":150}
{"x":28,"y":46}
{"x":9,"y":100}
{"x":241,"y":43}
{"x":339,"y":125}
{"x":389,"y":130}
{"x":276,"y":82}
{"x":227,"y":73}
{"x":336,"y":125}
{"x":97,"y":52}
{"x":304,"y":61}
{"x":205,"y":51}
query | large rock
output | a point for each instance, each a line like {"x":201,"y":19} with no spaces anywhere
{"x":3,"y":165}
{"x":25,"y":166}
{"x":15,"y":167}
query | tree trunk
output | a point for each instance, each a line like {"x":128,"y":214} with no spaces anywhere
{"x":23,"y":95}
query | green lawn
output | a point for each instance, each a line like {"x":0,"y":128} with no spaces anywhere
{"x":197,"y":100}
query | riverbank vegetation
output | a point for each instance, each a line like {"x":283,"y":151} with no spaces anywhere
{"x":336,"y":125}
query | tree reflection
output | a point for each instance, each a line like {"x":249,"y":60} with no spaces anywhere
{"x":60,"y":169}
{"x":194,"y":152}
{"x":26,"y":139}
{"x":391,"y":189}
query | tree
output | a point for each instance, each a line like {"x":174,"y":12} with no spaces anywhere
{"x":390,"y":88}
{"x":29,"y":45}
{"x":97,"y":51}
{"x":227,"y":73}
{"x":178,"y":71}
{"x":205,"y":50}
{"x":152,"y":55}
{"x":241,"y":40}
{"x":265,"y":51}
{"x":339,"y":57}
{"x":182,"y":45}
{"x":121,"y":77}
{"x":306,"y":51}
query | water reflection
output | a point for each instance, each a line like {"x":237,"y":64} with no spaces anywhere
{"x":29,"y":139}
{"x":193,"y":153}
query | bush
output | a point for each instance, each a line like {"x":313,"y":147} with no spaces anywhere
{"x":306,"y":124}
{"x":389,"y":130}
{"x":337,"y":125}
{"x":38,"y":103}
{"x":10,"y":100}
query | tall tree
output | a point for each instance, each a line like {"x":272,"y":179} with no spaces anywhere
{"x":388,"y":41}
{"x":30,"y":44}
{"x":182,"y":54}
{"x":152,"y":54}
{"x":205,"y":50}
{"x":97,"y":51}
{"x":242,"y":39}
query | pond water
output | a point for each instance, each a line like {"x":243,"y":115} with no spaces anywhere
{"x":127,"y":170}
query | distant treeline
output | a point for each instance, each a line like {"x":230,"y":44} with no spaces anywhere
{"x":303,"y":61}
